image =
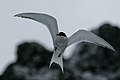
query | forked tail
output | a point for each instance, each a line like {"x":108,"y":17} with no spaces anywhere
{"x":57,"y":59}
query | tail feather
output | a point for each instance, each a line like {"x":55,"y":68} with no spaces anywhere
{"x":58,"y":60}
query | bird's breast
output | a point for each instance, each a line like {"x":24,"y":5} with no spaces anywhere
{"x":61,"y":42}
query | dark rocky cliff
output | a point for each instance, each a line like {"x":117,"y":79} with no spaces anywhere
{"x":88,"y":62}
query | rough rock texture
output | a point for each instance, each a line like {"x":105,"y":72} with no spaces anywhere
{"x":88,"y":62}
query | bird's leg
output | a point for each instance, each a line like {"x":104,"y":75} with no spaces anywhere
{"x":55,"y":48}
{"x":59,"y":55}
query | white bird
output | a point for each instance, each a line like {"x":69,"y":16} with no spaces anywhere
{"x":60,"y":40}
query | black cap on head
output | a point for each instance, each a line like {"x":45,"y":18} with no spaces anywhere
{"x":62,"y":34}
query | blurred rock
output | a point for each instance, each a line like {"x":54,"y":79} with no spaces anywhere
{"x":99,"y":61}
{"x":88,"y":62}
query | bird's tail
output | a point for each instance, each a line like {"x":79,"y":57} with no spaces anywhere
{"x":57,"y":59}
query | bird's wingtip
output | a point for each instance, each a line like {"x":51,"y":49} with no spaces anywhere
{"x":21,"y":15}
{"x":113,"y":49}
{"x":17,"y":15}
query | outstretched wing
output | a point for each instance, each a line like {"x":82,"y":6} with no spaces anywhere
{"x":45,"y":19}
{"x":87,"y":36}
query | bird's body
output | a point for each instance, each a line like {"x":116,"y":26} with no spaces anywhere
{"x":61,"y":43}
{"x":60,"y":46}
{"x":60,"y":40}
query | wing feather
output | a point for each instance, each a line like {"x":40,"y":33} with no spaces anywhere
{"x":87,"y":36}
{"x":45,"y":19}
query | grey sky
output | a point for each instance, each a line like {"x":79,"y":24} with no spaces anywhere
{"x":71,"y":15}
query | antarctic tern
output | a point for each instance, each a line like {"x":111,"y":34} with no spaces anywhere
{"x":60,"y":40}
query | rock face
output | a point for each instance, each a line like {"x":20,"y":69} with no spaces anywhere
{"x":88,"y":62}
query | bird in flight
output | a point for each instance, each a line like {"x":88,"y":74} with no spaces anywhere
{"x":60,"y":40}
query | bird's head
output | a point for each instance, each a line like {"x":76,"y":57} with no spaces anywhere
{"x":61,"y":34}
